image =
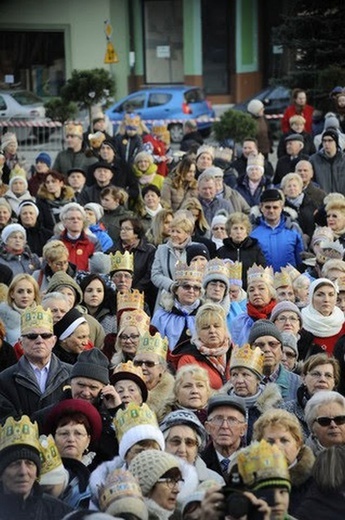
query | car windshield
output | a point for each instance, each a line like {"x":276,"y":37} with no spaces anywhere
{"x":159,"y":98}
{"x":194,"y":96}
{"x":25,"y":97}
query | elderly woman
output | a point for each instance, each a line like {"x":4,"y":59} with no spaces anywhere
{"x":146,"y":171}
{"x":335,"y":211}
{"x":52,"y":196}
{"x":151,"y":205}
{"x":186,"y":437}
{"x":282,"y":429}
{"x":254,"y":182}
{"x":325,"y":416}
{"x":192,"y":390}
{"x":239,"y":246}
{"x":204,"y":158}
{"x":129,"y":384}
{"x":99,"y":301}
{"x":323,"y":321}
{"x":176,"y":316}
{"x":319,"y":372}
{"x":246,"y":374}
{"x":261,"y":302}
{"x":76,"y":426}
{"x":160,"y":228}
{"x":132,"y":325}
{"x":55,"y":258}
{"x":36,"y":233}
{"x":73,"y":336}
{"x":301,"y":286}
{"x":5,"y":213}
{"x":15,"y":252}
{"x":210,"y":346}
{"x":295,"y":198}
{"x":181,"y":185}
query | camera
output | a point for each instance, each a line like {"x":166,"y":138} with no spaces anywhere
{"x":238,"y":505}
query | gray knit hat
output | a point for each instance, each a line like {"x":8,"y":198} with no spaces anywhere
{"x":99,"y":263}
{"x":92,"y":364}
{"x":150,"y":465}
{"x":290,"y":340}
{"x":285,"y":306}
{"x":264,"y":328}
{"x":186,"y":418}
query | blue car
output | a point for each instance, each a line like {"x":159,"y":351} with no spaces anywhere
{"x":174,"y":105}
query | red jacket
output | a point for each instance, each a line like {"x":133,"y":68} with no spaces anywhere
{"x":80,"y":249}
{"x":307,"y":113}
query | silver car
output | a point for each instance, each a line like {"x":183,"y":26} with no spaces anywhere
{"x":21,"y":107}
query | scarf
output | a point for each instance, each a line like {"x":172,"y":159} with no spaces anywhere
{"x":322,"y":326}
{"x":216,"y":356}
{"x":186,"y":309}
{"x":147,"y":179}
{"x":296,"y":202}
{"x":250,"y":400}
{"x":153,"y":212}
{"x":178,"y":249}
{"x":253,"y":186}
{"x":260,"y":314}
{"x":16,"y":253}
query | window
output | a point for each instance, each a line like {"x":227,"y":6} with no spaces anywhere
{"x":134,"y":103}
{"x":3,"y":105}
{"x":158,"y":99}
{"x":194,"y":96}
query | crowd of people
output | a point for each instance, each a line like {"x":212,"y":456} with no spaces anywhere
{"x":172,"y":329}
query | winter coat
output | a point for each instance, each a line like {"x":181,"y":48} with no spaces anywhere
{"x":157,"y":179}
{"x":7,"y":355}
{"x":175,"y":197}
{"x":236,"y":200}
{"x":305,"y":214}
{"x":248,"y":252}
{"x":38,"y":506}
{"x":159,"y":151}
{"x":212,"y":208}
{"x":102,"y":235}
{"x":14,"y":201}
{"x":44,"y":275}
{"x":123,"y":177}
{"x":27,"y":262}
{"x":11,"y":320}
{"x":37,"y":237}
{"x":50,"y":207}
{"x":297,"y":409}
{"x":307,"y":113}
{"x":163,"y":268}
{"x":329,"y":173}
{"x":301,"y":478}
{"x":111,"y":220}
{"x":68,"y":159}
{"x":160,"y":398}
{"x":243,"y":189}
{"x":240,"y":328}
{"x":286,"y":164}
{"x":321,"y":504}
{"x":308,"y":148}
{"x":92,"y":194}
{"x":282,"y":245}
{"x":19,"y":390}
{"x":79,"y":249}
{"x":127,"y":147}
{"x":315,"y":193}
{"x":288,"y":382}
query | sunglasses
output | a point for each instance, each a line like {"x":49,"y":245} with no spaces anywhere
{"x":326,"y":421}
{"x":33,"y":337}
{"x":189,"y":287}
{"x":148,"y":364}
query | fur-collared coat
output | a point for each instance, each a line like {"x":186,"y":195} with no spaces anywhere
{"x":301,"y":477}
{"x":160,"y":397}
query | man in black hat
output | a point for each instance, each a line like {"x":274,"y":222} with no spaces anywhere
{"x":329,"y":164}
{"x":286,"y":164}
{"x":279,"y":237}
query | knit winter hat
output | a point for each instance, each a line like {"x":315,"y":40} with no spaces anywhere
{"x":18,"y":178}
{"x":12,"y":228}
{"x":7,"y":139}
{"x":285,"y":306}
{"x":332,"y":122}
{"x":218,"y":219}
{"x":290,"y":340}
{"x":254,"y":106}
{"x":264,"y":328}
{"x":186,"y":418}
{"x":92,"y":364}
{"x":96,"y":209}
{"x":17,"y":452}
{"x":333,"y":134}
{"x":62,"y":279}
{"x":150,"y":465}
{"x":45,"y":158}
{"x":68,"y":324}
{"x":196,"y":250}
{"x":99,"y":263}
{"x":26,"y":203}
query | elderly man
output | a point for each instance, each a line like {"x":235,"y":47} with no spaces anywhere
{"x":74,"y":155}
{"x":329,"y":164}
{"x":225,"y":192}
{"x":103,"y":175}
{"x":207,"y":194}
{"x":226,"y":425}
{"x":38,"y":378}
{"x":265,"y":335}
{"x":286,"y":164}
{"x":306,"y":172}
{"x":250,"y":147}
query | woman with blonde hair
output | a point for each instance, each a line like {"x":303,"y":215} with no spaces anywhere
{"x":201,"y":227}
{"x":55,"y":258}
{"x":181,"y":185}
{"x":192,"y":390}
{"x":146,"y":171}
{"x":159,"y":231}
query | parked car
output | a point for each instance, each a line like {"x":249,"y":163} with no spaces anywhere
{"x":22,"y":106}
{"x":173,"y":104}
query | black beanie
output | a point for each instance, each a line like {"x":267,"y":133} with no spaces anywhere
{"x":17,"y":452}
{"x":333,"y":134}
{"x":92,"y":364}
{"x":196,"y":250}
{"x":264,"y":328}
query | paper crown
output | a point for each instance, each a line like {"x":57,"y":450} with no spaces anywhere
{"x":17,"y":171}
{"x":159,"y":127}
{"x":153,"y":345}
{"x":118,"y":484}
{"x":36,"y":317}
{"x":292,"y":271}
{"x":247,"y":357}
{"x":321,"y":233}
{"x":133,"y":415}
{"x":217,"y":266}
{"x":133,"y":299}
{"x":256,"y":160}
{"x":74,"y":129}
{"x":332,"y":245}
{"x":263,"y":465}
{"x":184,"y":272}
{"x":136,"y":318}
{"x":257,"y":273}
{"x":129,"y":368}
{"x":132,"y":120}
{"x":121,"y":262}
{"x":281,"y":279}
{"x":235,"y":273}
{"x":96,"y":139}
{"x":14,"y":433}
{"x":50,"y":456}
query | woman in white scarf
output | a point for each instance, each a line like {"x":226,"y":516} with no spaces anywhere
{"x":321,"y":317}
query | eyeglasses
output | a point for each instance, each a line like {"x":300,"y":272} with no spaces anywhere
{"x":148,"y":364}
{"x":189,"y":287}
{"x":284,"y":319}
{"x":271,"y":344}
{"x":65,"y":434}
{"x":290,"y":354}
{"x":317,"y":375}
{"x":33,"y":337}
{"x":129,"y":337}
{"x":60,"y":264}
{"x":177,"y":441}
{"x":218,"y":228}
{"x":126,"y":229}
{"x":326,"y":421}
{"x":170,"y":482}
{"x":218,"y":420}
{"x":125,"y":276}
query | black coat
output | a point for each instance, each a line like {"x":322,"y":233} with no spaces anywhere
{"x":7,"y":355}
{"x":37,"y":237}
{"x":287,"y":165}
{"x":123,"y":178}
{"x":305,"y":214}
{"x":318,"y":504}
{"x":248,"y":252}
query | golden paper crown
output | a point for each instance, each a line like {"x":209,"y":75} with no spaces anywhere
{"x":153,"y":345}
{"x":137,"y":318}
{"x":50,"y":456}
{"x":193,"y":273}
{"x":118,"y":484}
{"x":133,"y":415}
{"x":132,"y":120}
{"x":247,"y":357}
{"x":217,"y":266}
{"x":74,"y":129}
{"x":256,"y":160}
{"x":133,"y":299}
{"x":263,"y":464}
{"x":257,"y":273}
{"x":14,"y":432}
{"x":281,"y":279}
{"x":36,"y":317}
{"x":130,"y":368}
{"x":158,"y":127}
{"x":17,"y":171}
{"x":235,"y":271}
{"x":122,"y":262}
{"x":292,"y":271}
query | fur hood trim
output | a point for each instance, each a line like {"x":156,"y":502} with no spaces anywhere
{"x":67,"y":193}
{"x":167,"y":301}
{"x":270,"y":398}
{"x":255,"y":213}
{"x":302,"y":471}
{"x":160,"y":398}
{"x":98,"y":476}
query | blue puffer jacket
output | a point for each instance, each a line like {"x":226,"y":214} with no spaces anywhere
{"x":282,"y":245}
